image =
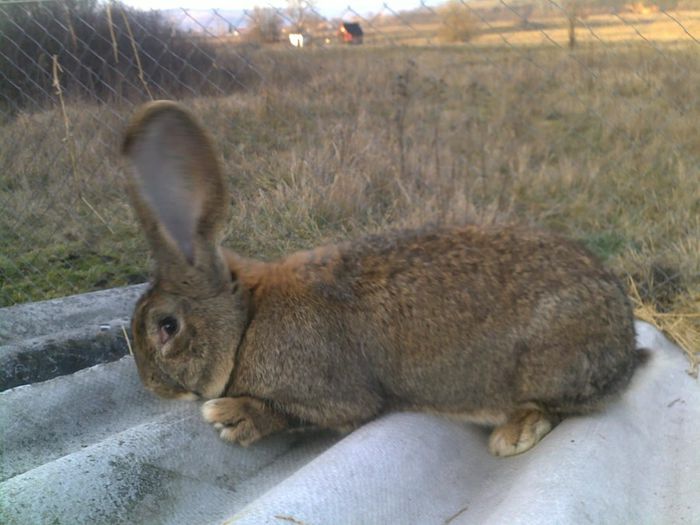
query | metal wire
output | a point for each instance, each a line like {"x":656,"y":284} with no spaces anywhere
{"x":112,"y":61}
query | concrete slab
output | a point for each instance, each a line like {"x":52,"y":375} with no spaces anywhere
{"x":76,"y":312}
{"x":95,"y":447}
{"x":39,"y":341}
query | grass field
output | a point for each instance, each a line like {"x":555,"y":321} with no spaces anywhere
{"x":602,"y":144}
{"x":655,"y":27}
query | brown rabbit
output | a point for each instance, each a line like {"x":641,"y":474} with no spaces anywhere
{"x":503,"y":326}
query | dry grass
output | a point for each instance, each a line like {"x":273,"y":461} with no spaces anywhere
{"x":657,"y":27}
{"x":601,"y":144}
{"x":681,"y":324}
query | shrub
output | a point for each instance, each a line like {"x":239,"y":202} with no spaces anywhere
{"x":458,"y":24}
{"x":265,"y":26}
{"x":95,"y":46}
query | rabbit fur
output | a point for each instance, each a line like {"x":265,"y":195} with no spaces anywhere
{"x":501,"y":325}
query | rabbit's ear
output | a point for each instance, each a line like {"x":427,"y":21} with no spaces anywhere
{"x":177,"y":189}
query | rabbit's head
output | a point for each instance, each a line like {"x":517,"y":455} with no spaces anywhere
{"x":187,"y":326}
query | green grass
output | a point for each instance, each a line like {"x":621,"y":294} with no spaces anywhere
{"x":64,"y":268}
{"x":606,"y":245}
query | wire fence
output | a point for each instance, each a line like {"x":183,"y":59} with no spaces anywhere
{"x":434,"y":113}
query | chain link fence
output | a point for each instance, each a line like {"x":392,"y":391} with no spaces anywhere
{"x":580,"y":116}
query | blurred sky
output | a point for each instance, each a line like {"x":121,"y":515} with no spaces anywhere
{"x":327,"y":8}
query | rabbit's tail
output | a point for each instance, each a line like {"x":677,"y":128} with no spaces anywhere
{"x":605,"y":389}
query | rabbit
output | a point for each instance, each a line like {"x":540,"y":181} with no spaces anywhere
{"x":502,"y":325}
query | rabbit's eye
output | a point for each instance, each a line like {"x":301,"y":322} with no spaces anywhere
{"x":167,"y":327}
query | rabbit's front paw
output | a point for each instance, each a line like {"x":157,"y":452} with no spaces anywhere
{"x":232,"y":417}
{"x":521,"y":432}
{"x":242,"y":420}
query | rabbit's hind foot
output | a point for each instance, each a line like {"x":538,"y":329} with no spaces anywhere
{"x":522,"y":431}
